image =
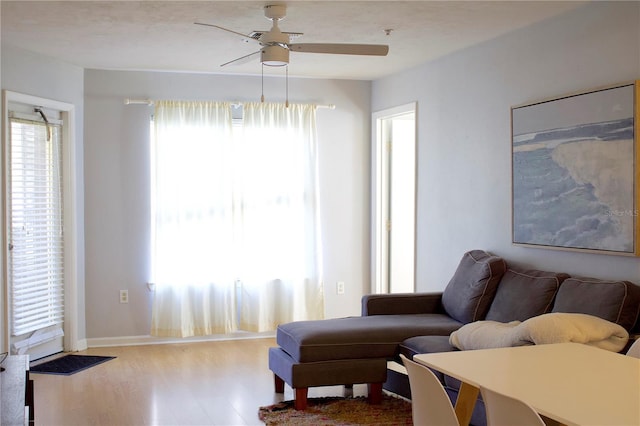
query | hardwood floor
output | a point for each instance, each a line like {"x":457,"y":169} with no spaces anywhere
{"x":208,"y":383}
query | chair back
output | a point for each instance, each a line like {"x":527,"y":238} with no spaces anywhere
{"x":430,"y":404}
{"x":503,"y":410}
{"x":634,"y":350}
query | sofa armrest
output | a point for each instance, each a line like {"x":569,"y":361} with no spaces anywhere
{"x":402,"y":304}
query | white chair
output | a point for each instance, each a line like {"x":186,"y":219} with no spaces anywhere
{"x":634,"y":350}
{"x":430,"y":404}
{"x":503,"y":410}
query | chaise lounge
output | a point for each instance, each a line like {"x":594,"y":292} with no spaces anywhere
{"x":352,"y":350}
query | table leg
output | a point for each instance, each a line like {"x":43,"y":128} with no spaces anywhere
{"x":467,"y":396}
{"x":551,"y":422}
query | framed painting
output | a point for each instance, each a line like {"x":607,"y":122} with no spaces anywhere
{"x":575,"y":171}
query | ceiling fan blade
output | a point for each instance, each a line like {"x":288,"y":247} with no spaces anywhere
{"x":242,"y":59}
{"x":245,"y":37}
{"x":341,"y":49}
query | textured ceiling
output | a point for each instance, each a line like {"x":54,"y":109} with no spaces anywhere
{"x":160,"y":35}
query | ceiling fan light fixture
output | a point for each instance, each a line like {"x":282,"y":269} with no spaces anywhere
{"x":274,"y":56}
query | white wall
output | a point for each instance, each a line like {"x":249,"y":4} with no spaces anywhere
{"x":464,"y":154}
{"x":37,"y":75}
{"x":464,"y":100}
{"x":117,"y":184}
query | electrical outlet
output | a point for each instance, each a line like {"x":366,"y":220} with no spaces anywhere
{"x":124,"y":296}
{"x":340,"y":287}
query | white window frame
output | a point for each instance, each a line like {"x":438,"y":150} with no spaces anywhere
{"x":70,"y":215}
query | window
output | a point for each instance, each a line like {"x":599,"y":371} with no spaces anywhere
{"x":234,"y":227}
{"x":36,"y":249}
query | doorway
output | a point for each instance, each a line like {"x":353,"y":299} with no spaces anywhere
{"x":394,"y":200}
{"x":39,"y":226}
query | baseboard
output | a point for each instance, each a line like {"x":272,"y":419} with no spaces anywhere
{"x":101,"y":342}
{"x":82,"y":344}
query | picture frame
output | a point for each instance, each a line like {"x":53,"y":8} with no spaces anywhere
{"x":574,"y":164}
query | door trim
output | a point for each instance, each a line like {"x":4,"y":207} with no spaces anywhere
{"x":70,"y":216}
{"x":379,"y":201}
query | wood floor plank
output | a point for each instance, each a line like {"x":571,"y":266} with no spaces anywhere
{"x":204,"y":383}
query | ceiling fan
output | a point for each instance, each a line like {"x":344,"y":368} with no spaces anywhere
{"x":276,"y":44}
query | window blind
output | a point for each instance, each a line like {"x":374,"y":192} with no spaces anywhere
{"x":36,"y":251}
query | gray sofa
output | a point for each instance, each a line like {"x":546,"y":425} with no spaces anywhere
{"x":358,"y":349}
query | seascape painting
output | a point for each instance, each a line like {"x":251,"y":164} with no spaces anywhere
{"x":573,"y":163}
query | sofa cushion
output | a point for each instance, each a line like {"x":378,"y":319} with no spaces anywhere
{"x":469,"y":293}
{"x":615,"y":301}
{"x":426,"y":345}
{"x":374,"y":336}
{"x":523,"y":294}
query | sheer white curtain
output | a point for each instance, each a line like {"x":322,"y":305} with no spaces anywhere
{"x":192,"y":219}
{"x":235,"y":229}
{"x":280,"y":234}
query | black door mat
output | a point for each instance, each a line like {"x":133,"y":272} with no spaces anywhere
{"x":69,"y":364}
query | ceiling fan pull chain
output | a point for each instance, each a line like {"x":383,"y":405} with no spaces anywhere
{"x":286,"y":103}
{"x":262,"y":97}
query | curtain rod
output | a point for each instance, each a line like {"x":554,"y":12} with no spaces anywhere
{"x":149,"y":102}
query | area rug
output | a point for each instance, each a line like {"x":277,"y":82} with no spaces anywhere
{"x":339,"y":411}
{"x":69,"y":364}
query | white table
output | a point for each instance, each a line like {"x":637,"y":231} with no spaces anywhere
{"x":570,"y":383}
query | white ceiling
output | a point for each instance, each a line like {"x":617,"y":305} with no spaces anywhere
{"x":160,"y":35}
